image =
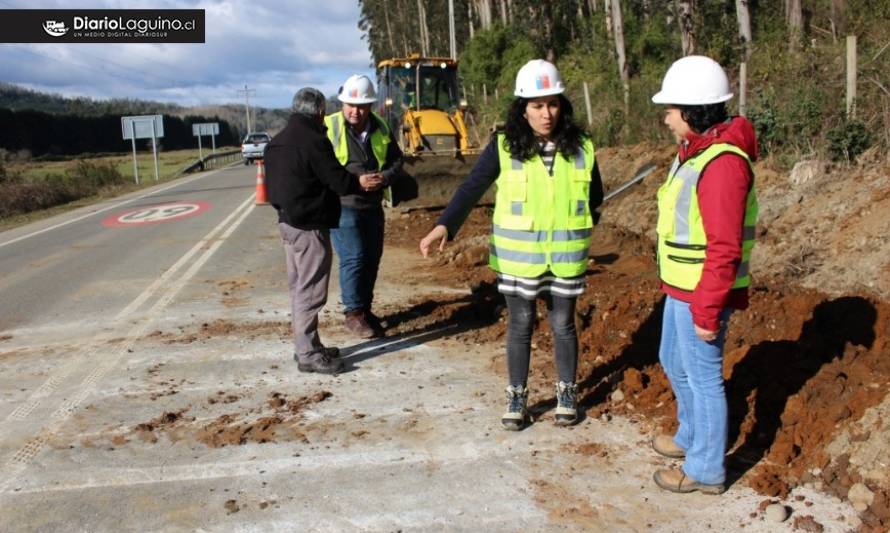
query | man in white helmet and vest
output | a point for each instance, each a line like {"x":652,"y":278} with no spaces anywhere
{"x":548,"y":189}
{"x":707,"y":210}
{"x":363,"y":144}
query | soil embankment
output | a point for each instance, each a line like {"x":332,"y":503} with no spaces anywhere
{"x":804,"y":364}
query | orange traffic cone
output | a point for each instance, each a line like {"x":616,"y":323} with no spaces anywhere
{"x":261,"y":184}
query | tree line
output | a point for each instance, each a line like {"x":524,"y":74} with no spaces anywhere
{"x":20,"y":99}
{"x":793,"y":53}
{"x":43,"y":133}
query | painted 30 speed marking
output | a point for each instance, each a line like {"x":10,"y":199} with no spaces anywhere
{"x":156,"y":214}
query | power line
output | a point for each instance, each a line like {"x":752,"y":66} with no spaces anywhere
{"x":246,"y":93}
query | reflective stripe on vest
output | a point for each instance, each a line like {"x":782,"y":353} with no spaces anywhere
{"x":379,"y":142}
{"x":542,"y":223}
{"x":379,"y":138}
{"x":682,"y":241}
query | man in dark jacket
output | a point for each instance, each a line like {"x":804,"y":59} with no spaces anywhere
{"x":304,"y":182}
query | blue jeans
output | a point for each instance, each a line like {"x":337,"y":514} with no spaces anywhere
{"x":359,"y":245}
{"x":695,"y":369}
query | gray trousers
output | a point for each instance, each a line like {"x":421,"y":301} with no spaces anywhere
{"x":308,"y":255}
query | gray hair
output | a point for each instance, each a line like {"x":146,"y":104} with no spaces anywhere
{"x":309,"y":101}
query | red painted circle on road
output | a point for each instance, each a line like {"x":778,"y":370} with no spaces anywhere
{"x":156,"y":214}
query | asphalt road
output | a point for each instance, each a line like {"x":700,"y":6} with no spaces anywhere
{"x":88,"y":268}
{"x":146,"y":384}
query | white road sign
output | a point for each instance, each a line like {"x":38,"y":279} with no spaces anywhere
{"x":206,"y":128}
{"x":141,"y":125}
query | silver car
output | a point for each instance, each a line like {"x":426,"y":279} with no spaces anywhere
{"x":253,"y":146}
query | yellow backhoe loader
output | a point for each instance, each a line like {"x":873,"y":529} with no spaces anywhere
{"x":420,"y":101}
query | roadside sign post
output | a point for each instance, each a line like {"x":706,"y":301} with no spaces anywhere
{"x":135,"y":166}
{"x":154,"y":148}
{"x":144,"y":127}
{"x":205,"y":128}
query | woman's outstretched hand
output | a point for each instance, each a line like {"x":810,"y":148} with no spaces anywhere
{"x":439,"y":233}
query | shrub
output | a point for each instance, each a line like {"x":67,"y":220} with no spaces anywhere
{"x":19,"y":196}
{"x":766,"y":124}
{"x":94,"y":176}
{"x":23,"y":197}
{"x":848,"y":140}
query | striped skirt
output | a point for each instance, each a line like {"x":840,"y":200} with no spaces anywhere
{"x":547,"y":283}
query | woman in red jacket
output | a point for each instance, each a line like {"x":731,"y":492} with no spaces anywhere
{"x":707,"y":209}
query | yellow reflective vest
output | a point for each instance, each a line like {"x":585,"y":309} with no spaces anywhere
{"x":541,"y":222}
{"x":379,"y":142}
{"x":682,"y":242}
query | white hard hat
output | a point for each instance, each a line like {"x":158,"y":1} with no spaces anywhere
{"x":357,"y":90}
{"x":538,"y":78}
{"x":694,"y":80}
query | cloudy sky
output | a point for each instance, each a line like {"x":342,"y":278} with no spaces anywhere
{"x":273,"y":47}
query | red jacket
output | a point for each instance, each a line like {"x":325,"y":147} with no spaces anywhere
{"x":722,"y":194}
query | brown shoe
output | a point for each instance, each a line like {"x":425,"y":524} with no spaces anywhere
{"x":664,"y":444}
{"x":675,"y":480}
{"x":320,"y":363}
{"x":356,"y":323}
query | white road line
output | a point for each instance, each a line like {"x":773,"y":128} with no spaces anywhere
{"x":373,"y":458}
{"x":151,"y":289}
{"x":89,"y":383}
{"x":174,"y":289}
{"x":113,"y":206}
{"x":57,"y":378}
{"x":22,"y":457}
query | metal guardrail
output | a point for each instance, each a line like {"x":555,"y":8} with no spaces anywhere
{"x":216,"y":160}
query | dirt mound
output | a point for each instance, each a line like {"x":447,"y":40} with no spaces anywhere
{"x":822,"y":225}
{"x":249,"y":330}
{"x":165,"y":422}
{"x":800,"y":364}
{"x":438,"y":177}
{"x":275,"y":420}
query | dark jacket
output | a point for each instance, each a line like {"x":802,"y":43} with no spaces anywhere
{"x":361,"y":160}
{"x":304,"y":180}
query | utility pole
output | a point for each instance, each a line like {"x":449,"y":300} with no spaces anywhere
{"x":451,"y":39}
{"x":246,"y":93}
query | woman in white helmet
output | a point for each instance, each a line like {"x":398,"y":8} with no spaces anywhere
{"x":707,"y":209}
{"x":548,"y":186}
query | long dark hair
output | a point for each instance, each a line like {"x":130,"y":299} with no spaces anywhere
{"x":521,"y":140}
